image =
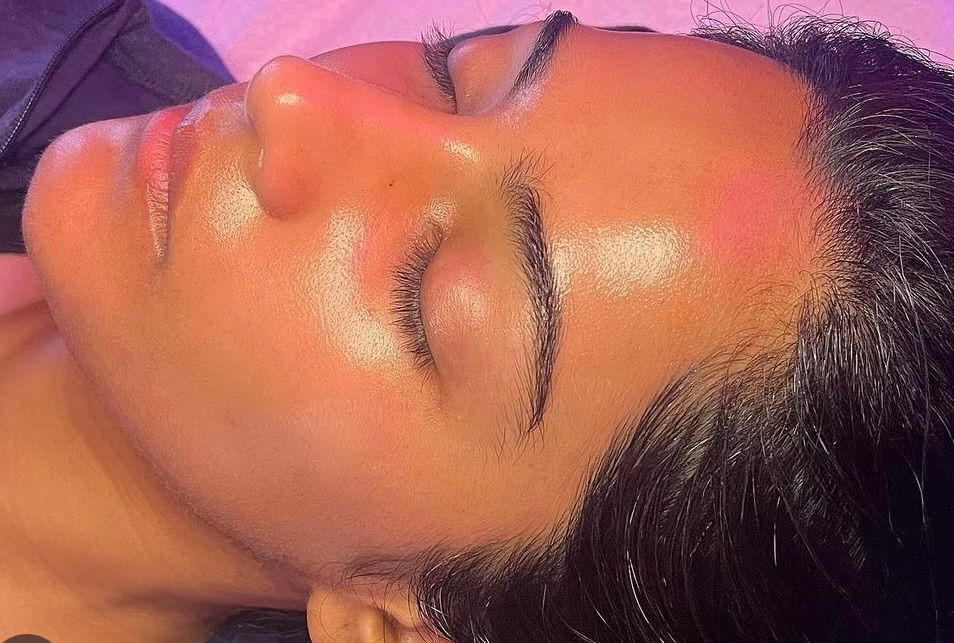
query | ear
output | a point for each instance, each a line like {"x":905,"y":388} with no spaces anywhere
{"x":346,"y":616}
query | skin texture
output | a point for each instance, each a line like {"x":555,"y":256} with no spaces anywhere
{"x":246,"y":406}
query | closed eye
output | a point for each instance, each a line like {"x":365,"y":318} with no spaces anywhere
{"x":406,"y":298}
{"x":436,"y":48}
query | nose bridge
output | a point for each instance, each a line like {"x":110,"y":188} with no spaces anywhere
{"x":319,"y":130}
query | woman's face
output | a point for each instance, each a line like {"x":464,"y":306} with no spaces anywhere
{"x":271,"y":361}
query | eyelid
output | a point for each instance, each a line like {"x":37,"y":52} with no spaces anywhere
{"x":436,"y":49}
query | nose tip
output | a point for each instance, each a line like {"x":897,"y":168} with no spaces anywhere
{"x":277,"y":102}
{"x":275,"y":84}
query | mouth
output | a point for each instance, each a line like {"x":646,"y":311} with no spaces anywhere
{"x":154,"y":167}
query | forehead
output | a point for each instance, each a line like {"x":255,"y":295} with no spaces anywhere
{"x":660,"y":105}
{"x":693,"y":139}
{"x":676,"y":193}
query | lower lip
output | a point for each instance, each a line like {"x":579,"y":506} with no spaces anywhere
{"x":152,"y":167}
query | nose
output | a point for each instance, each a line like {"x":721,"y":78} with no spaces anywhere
{"x":336,"y":131}
{"x":280,"y":102}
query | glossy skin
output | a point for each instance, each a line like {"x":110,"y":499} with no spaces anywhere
{"x":258,"y":367}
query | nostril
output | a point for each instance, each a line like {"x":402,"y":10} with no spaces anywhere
{"x":283,"y":180}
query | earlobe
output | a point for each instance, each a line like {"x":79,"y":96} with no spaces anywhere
{"x":339,"y":616}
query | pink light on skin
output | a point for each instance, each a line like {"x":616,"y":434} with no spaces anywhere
{"x":751,"y":216}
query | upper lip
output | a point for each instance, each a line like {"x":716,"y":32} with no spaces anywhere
{"x":181,"y":143}
{"x":188,"y":133}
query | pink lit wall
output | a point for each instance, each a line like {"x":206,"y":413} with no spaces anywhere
{"x":250,"y":32}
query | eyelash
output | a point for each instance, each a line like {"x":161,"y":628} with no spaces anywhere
{"x":408,"y":276}
{"x":406,"y":297}
{"x":436,"y":49}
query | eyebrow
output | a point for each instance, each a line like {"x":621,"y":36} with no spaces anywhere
{"x":519,"y":188}
{"x":455,"y":40}
{"x":554,"y":26}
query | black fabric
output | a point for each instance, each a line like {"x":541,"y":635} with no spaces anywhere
{"x":263,"y":626}
{"x":70,"y":62}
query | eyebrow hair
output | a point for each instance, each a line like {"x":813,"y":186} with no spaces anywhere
{"x":554,"y":27}
{"x":453,"y":41}
{"x":519,"y":189}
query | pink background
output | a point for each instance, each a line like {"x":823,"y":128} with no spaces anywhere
{"x":248,"y":33}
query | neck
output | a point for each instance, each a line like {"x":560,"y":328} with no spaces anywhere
{"x":92,"y":542}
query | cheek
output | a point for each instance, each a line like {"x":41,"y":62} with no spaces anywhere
{"x":342,"y":286}
{"x":357,"y":470}
{"x":326,"y":464}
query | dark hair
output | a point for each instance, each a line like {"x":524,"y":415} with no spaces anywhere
{"x":807,"y":495}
